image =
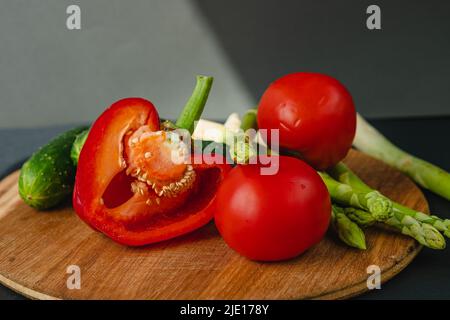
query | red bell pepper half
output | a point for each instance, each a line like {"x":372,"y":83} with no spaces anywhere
{"x":128,"y":188}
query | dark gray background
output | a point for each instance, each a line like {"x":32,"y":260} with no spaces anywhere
{"x":50,"y":75}
{"x":400,"y":70}
{"x":152,"y":49}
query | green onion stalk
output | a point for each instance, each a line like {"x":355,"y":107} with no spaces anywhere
{"x":371,"y":141}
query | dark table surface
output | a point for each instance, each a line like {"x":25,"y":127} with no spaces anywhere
{"x":427,"y":277}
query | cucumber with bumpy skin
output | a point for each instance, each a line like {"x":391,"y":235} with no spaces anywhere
{"x":78,"y":145}
{"x":47,"y":177}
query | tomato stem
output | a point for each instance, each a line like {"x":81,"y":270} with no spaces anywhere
{"x":194,"y":107}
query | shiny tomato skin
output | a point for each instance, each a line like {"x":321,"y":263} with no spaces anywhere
{"x":272,"y":217}
{"x":315,"y":114}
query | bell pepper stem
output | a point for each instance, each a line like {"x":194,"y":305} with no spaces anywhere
{"x":193,"y":109}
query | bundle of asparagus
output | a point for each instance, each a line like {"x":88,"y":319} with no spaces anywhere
{"x":418,"y":225}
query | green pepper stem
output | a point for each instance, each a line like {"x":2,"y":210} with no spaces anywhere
{"x":194,"y":107}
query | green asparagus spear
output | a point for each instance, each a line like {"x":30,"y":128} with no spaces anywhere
{"x":429,"y":176}
{"x":376,"y":204}
{"x":348,"y":231}
{"x":359,"y":216}
{"x":424,"y":233}
{"x":345,"y":175}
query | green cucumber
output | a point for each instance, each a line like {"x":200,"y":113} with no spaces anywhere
{"x":47,"y":177}
{"x":78,"y":145}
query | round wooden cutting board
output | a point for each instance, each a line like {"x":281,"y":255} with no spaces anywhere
{"x":36,"y":249}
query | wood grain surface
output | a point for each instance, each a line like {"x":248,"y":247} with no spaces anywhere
{"x":36,"y":249}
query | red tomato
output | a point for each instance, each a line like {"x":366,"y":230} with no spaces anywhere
{"x":315,"y":115}
{"x":272,"y":217}
{"x":127,"y":187}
